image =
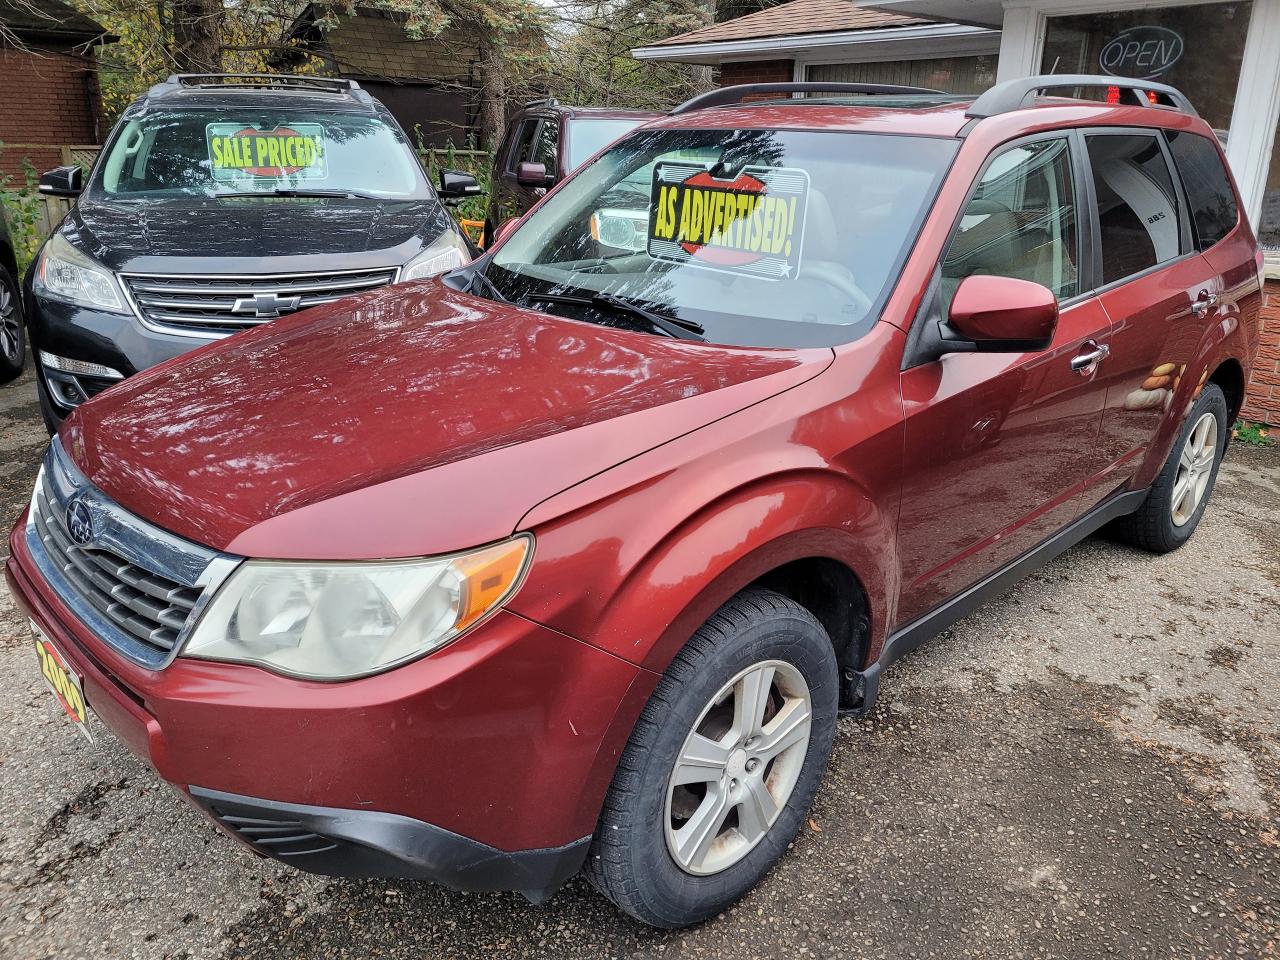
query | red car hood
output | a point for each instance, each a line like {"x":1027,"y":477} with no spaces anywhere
{"x":410,"y":421}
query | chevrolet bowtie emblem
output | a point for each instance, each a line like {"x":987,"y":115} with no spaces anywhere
{"x":266,"y":305}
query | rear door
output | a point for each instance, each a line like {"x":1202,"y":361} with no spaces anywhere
{"x":1001,"y":449}
{"x":1156,"y":287}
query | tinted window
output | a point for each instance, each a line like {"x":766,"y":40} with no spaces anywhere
{"x":1208,"y":188}
{"x":764,"y":237}
{"x":1020,"y":222}
{"x":523,"y":145}
{"x":546,"y":147}
{"x":1137,"y":206}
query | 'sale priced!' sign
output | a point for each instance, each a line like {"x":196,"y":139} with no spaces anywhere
{"x":237,"y":152}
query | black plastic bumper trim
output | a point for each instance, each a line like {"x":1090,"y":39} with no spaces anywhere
{"x":367,"y":843}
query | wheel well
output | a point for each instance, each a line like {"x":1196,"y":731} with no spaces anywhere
{"x":1230,"y":380}
{"x":832,"y":593}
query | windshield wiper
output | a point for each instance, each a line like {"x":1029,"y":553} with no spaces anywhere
{"x":668,"y":326}
{"x":292,"y":192}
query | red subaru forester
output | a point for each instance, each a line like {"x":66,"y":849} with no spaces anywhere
{"x":570,"y":558}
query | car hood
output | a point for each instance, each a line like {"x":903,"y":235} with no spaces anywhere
{"x":220,"y":236}
{"x":408,"y":421}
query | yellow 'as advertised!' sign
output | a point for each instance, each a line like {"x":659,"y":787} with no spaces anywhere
{"x":752,"y":222}
{"x":295,"y":151}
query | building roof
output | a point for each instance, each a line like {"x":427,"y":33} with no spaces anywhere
{"x":793,"y":19}
{"x":49,"y":18}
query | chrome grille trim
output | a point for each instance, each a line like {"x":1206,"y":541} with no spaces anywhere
{"x":200,"y":305}
{"x":139,"y":588}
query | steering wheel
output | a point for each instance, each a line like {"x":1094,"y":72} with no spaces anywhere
{"x":836,"y":277}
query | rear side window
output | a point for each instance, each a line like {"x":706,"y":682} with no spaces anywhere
{"x":1137,"y":205}
{"x":1020,"y":222}
{"x":1207,"y":185}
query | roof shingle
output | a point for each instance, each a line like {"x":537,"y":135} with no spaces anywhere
{"x":48,"y":18}
{"x":792,"y":19}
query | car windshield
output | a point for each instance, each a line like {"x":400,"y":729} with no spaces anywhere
{"x":588,"y":137}
{"x":206,"y":153}
{"x":753,"y":237}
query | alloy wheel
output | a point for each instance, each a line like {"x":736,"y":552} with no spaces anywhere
{"x":738,"y":767}
{"x":10,"y":327}
{"x":1195,"y":467}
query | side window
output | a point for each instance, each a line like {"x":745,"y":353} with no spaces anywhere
{"x":522,"y":144}
{"x":546,"y":146}
{"x":1137,"y":206}
{"x":1207,"y":185}
{"x":1020,"y":222}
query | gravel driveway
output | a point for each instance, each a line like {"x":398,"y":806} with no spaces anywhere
{"x":1087,"y":767}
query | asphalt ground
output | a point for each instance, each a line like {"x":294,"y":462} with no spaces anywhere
{"x":1086,"y":767}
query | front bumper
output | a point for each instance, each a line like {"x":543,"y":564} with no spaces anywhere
{"x":481,"y":766}
{"x":115,"y":340}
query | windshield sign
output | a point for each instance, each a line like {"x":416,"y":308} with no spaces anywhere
{"x":295,"y":151}
{"x":751,"y":223}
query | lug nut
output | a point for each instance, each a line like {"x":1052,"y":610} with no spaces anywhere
{"x":753,"y":765}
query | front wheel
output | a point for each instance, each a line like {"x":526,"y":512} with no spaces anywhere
{"x":13,"y":339}
{"x":722,"y":765}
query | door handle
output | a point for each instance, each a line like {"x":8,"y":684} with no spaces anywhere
{"x":1200,"y":306}
{"x":1085,"y":363}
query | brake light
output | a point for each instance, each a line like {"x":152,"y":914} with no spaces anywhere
{"x":1113,"y":96}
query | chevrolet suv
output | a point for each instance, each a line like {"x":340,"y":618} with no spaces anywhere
{"x":220,"y":203}
{"x":573,"y":557}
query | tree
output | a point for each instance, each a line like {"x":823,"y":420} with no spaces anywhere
{"x":197,"y":35}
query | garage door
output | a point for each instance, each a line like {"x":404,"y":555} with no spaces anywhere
{"x":952,"y":74}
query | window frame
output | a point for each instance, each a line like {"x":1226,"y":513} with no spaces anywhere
{"x":1186,"y":239}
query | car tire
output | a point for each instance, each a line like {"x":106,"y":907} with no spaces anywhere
{"x":1177,"y":499}
{"x":633,"y":858}
{"x":13,"y":336}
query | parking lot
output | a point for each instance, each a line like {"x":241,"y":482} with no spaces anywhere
{"x":1087,"y":767}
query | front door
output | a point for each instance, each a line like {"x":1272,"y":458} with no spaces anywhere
{"x":1002,"y":449}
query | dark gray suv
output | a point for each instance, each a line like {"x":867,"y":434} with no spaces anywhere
{"x":220,"y":203}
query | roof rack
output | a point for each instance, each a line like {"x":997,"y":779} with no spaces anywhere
{"x":726,"y":96}
{"x":258,"y":81}
{"x":1015,"y":94}
{"x":542,"y":102}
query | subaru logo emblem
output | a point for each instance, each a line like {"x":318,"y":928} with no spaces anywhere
{"x":79,"y":522}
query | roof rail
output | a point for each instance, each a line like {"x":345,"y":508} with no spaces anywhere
{"x":1014,"y":94}
{"x":542,"y":102}
{"x":258,"y":81}
{"x":736,"y":94}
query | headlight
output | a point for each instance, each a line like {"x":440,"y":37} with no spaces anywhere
{"x":65,"y":273}
{"x":338,"y":621}
{"x":448,"y":252}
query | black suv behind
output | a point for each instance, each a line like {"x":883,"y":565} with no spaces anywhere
{"x":12,"y":340}
{"x":218,"y":203}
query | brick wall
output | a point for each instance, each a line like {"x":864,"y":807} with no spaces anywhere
{"x":1263,"y":402}
{"x":50,"y":97}
{"x":757,"y":71}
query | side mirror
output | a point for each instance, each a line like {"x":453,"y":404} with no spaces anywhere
{"x":532,"y":175}
{"x":62,"y":182}
{"x":1000,"y":315}
{"x":458,"y":185}
{"x":504,"y":230}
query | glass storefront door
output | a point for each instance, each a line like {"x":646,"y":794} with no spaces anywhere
{"x":1197,"y":49}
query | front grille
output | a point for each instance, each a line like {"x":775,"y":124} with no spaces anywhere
{"x":276,"y":836}
{"x":206,"y":306}
{"x":138,"y":587}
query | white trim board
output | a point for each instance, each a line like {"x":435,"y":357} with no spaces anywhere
{"x":934,"y":36}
